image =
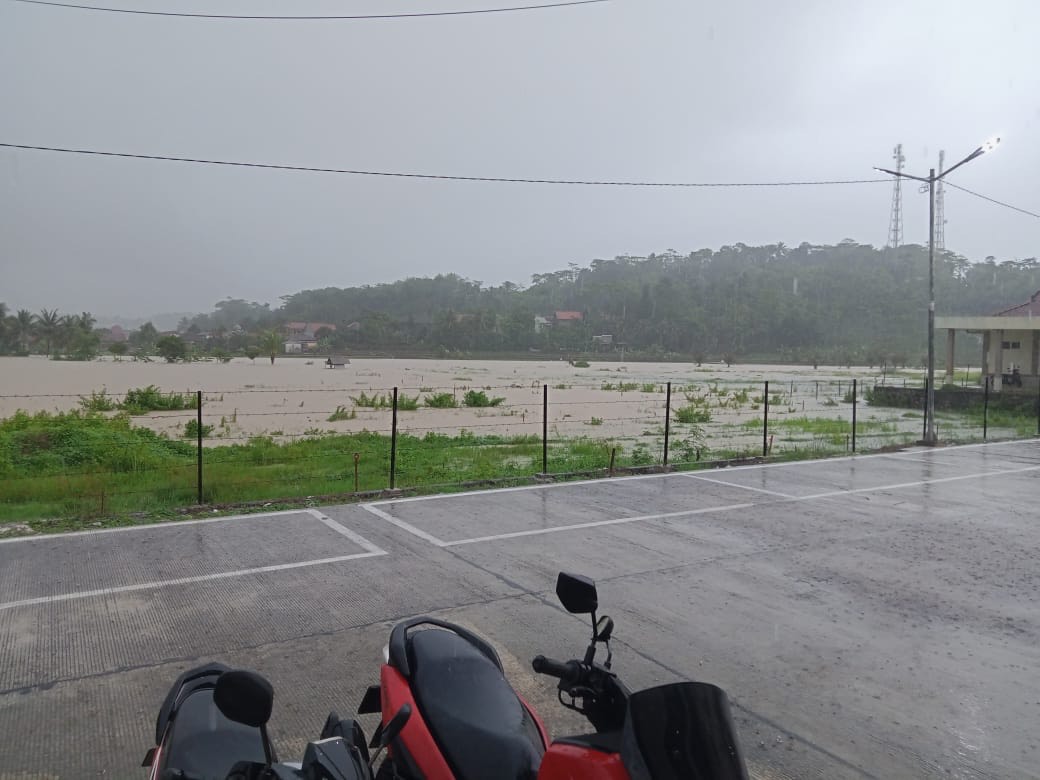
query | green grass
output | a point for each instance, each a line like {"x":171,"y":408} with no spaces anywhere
{"x":342,"y":413}
{"x":478,"y":399}
{"x":441,"y":401}
{"x":692,"y":414}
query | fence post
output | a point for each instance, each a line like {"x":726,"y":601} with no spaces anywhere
{"x":393,"y":444}
{"x":667,"y":420}
{"x":985,"y":409}
{"x":855,"y":387}
{"x":198,"y":456}
{"x":545,"y":429}
{"x":924,"y":425}
{"x":1038,"y":406}
{"x":765,"y":421}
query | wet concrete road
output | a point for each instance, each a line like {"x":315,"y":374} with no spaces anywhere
{"x":876,"y":616}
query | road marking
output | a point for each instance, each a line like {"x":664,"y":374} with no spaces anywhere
{"x":159,"y":584}
{"x":403,"y":525}
{"x":149,"y":526}
{"x":597,"y":524}
{"x":742,"y":487}
{"x":357,"y":539}
{"x":691,"y":512}
{"x":918,"y":483}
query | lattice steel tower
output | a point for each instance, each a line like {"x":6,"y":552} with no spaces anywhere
{"x":940,"y":211}
{"x":895,"y":224}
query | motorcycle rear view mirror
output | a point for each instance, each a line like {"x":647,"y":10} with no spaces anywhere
{"x":244,"y":697}
{"x":577,"y":593}
{"x":604,"y":629}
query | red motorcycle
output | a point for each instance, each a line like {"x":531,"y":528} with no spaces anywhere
{"x":468,"y":723}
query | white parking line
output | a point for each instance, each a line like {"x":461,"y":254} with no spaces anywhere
{"x":684,"y":513}
{"x":159,"y":584}
{"x":403,"y":525}
{"x":735,"y":485}
{"x":357,"y":539}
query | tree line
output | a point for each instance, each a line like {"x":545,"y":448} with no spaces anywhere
{"x":844,"y":303}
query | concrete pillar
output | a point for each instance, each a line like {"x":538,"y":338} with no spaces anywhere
{"x":998,"y":361}
{"x":950,"y":336}
{"x":1035,"y":362}
{"x":985,"y":352}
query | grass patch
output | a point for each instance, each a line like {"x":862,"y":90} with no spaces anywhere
{"x":342,"y":413}
{"x":478,"y":399}
{"x":141,"y":400}
{"x":441,"y":401}
{"x":580,"y":363}
{"x":191,"y":430}
{"x":692,"y":414}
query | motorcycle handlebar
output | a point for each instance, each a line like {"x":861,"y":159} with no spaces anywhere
{"x":568,"y":671}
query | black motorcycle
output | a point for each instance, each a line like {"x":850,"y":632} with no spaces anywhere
{"x":213,"y":726}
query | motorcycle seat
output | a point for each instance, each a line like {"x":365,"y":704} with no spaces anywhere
{"x":474,"y":715}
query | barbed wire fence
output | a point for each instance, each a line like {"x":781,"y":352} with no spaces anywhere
{"x":223,"y":447}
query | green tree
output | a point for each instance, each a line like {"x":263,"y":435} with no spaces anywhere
{"x":172,"y":348}
{"x":271,"y":344}
{"x":252,"y":352}
{"x":23,"y":326}
{"x":144,"y":338}
{"x":118,"y":348}
{"x":50,"y":326}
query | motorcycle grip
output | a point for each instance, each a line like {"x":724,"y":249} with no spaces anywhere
{"x":566,"y":671}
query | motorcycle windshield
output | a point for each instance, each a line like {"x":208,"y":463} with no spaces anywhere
{"x":204,"y":744}
{"x":683,"y":730}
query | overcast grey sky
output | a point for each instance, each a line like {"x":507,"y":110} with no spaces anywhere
{"x":674,"y":90}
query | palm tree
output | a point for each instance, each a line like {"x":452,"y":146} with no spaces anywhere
{"x":271,"y":344}
{"x":23,"y":325}
{"x":50,"y":324}
{"x":87,"y":321}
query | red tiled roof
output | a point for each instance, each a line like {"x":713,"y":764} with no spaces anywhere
{"x":568,"y":315}
{"x":1030,"y":308}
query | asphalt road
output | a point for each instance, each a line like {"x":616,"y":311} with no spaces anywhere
{"x":876,"y":616}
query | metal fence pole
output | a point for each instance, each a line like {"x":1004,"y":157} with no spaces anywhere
{"x":855,"y":387}
{"x":765,"y":421}
{"x":545,"y":429}
{"x":985,"y":409}
{"x":924,"y":430}
{"x":198,"y":456}
{"x":667,"y":420}
{"x":393,"y":444}
{"x":1038,"y":406}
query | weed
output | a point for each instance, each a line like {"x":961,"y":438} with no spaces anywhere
{"x":692,"y":414}
{"x":441,"y":401}
{"x":595,"y":421}
{"x":191,"y":429}
{"x":97,"y":401}
{"x":479,"y":399}
{"x":342,"y":413}
{"x":580,"y":363}
{"x":142,"y":400}
{"x":374,"y":401}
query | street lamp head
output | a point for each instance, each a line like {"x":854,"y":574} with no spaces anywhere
{"x":990,"y":145}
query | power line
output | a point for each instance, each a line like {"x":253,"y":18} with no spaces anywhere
{"x":992,"y":200}
{"x":395,"y":174}
{"x":415,"y":15}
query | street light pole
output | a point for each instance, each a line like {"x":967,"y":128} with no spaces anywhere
{"x":930,"y":436}
{"x":929,"y":410}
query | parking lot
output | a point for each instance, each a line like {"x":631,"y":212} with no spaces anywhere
{"x":874,"y":616}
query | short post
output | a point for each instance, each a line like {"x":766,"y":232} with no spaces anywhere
{"x":854,"y":398}
{"x":1038,"y":406}
{"x":198,"y":434}
{"x":613,"y":454}
{"x":765,"y":421}
{"x":545,"y":429}
{"x":667,"y":420}
{"x":924,"y":431}
{"x":357,"y":460}
{"x":393,"y":444}
{"x":985,"y":409}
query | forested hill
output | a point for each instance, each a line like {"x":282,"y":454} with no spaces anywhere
{"x":774,"y":301}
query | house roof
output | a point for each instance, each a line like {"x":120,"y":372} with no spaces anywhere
{"x":1030,"y":308}
{"x":568,"y":315}
{"x":309,"y":326}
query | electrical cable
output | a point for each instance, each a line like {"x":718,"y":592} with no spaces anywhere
{"x":322,"y":18}
{"x":394,"y":174}
{"x":991,"y":200}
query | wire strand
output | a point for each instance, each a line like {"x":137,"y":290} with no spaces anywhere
{"x":322,"y":18}
{"x":991,"y":200}
{"x":444,"y":177}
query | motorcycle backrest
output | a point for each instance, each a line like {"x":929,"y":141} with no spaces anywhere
{"x":244,"y":697}
{"x":682,"y":731}
{"x":577,"y":593}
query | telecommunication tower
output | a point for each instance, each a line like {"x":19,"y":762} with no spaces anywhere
{"x":940,"y":211}
{"x":895,"y":224}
